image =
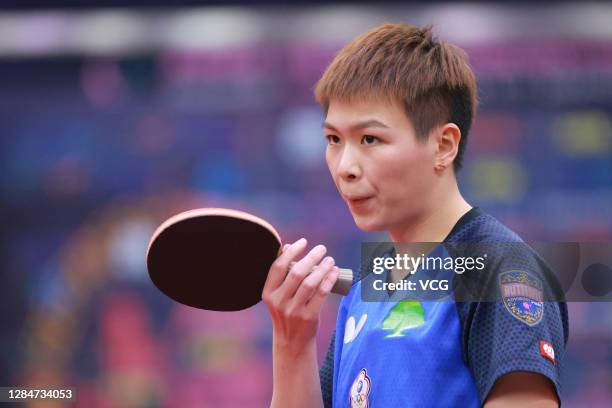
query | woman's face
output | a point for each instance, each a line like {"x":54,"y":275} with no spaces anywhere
{"x":381,"y":170}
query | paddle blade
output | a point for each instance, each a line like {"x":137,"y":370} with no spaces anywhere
{"x":213,"y":262}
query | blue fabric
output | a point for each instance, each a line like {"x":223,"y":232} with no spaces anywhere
{"x":447,"y":353}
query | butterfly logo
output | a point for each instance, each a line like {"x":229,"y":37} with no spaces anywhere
{"x":351,"y":330}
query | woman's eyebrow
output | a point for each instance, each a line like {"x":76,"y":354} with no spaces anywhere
{"x":371,"y":123}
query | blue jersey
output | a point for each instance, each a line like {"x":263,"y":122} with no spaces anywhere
{"x":412,"y":353}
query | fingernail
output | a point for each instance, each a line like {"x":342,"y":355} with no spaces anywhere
{"x":328,"y":261}
{"x":300,"y":241}
{"x":319,"y":250}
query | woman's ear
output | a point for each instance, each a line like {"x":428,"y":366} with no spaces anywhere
{"x":447,"y":138}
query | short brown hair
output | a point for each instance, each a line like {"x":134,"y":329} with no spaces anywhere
{"x":404,"y":63}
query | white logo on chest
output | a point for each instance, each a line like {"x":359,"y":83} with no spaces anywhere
{"x":351,"y":330}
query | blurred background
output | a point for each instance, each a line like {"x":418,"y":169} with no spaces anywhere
{"x":111,"y":120}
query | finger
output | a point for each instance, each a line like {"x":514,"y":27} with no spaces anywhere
{"x":279,"y":267}
{"x":300,"y":270}
{"x":312,"y":281}
{"x":318,"y":298}
{"x":285,"y":247}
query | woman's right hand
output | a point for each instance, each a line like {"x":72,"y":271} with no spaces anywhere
{"x":295,"y":298}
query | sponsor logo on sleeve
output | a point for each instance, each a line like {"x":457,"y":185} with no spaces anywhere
{"x":547,"y":351}
{"x":522,"y":295}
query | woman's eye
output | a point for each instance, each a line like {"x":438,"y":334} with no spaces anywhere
{"x":333,"y":139}
{"x":369,"y":139}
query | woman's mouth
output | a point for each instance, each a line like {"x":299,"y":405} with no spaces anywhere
{"x":359,"y":202}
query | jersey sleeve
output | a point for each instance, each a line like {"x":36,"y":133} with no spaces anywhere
{"x":524,"y":329}
{"x":326,"y":373}
{"x":496,"y":343}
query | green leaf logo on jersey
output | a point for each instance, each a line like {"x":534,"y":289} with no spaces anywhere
{"x":407,"y":314}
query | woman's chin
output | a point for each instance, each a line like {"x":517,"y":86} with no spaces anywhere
{"x":367,"y":224}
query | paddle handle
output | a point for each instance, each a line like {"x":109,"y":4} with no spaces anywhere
{"x":344,"y":282}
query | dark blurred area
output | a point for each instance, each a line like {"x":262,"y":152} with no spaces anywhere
{"x":111,"y":120}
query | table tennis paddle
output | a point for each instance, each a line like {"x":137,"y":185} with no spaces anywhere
{"x":217,"y":259}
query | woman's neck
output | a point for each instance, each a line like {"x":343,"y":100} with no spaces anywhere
{"x":436,"y":221}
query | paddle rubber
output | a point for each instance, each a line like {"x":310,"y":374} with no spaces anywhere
{"x":213,"y":259}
